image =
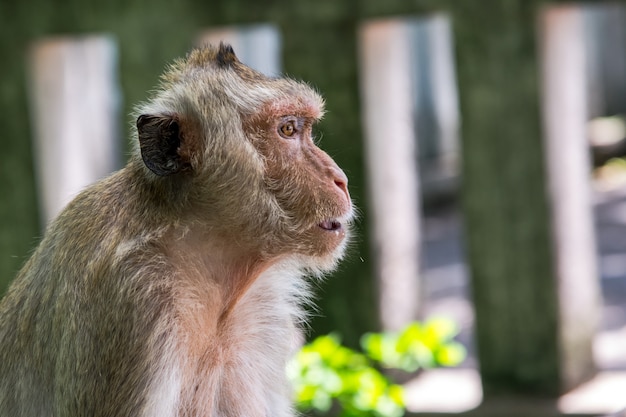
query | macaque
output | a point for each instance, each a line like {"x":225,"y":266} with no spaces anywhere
{"x":175,"y":287}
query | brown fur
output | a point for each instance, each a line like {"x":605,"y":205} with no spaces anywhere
{"x":173,"y":287}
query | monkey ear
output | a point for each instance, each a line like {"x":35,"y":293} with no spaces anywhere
{"x":159,"y":142}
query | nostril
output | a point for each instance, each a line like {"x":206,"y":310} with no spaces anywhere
{"x":341,"y":184}
{"x":341,"y":181}
{"x":339,"y":178}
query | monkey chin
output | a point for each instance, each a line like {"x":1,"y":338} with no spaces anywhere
{"x":327,"y":243}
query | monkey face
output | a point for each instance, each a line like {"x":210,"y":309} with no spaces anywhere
{"x":308,"y":185}
{"x":241,"y":144}
{"x":311,"y":208}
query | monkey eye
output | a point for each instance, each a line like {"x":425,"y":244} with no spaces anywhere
{"x":287,"y":129}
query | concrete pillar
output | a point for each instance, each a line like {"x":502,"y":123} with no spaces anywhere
{"x":75,"y":101}
{"x":565,"y":113}
{"x":388,"y":91}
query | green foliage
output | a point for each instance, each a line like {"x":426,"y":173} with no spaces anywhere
{"x":418,"y":345}
{"x":324,"y":371}
{"x":326,"y":374}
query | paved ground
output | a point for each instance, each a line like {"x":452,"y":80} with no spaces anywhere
{"x":446,"y":279}
{"x":446,"y":288}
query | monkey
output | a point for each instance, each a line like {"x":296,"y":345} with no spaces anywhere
{"x":176,"y":287}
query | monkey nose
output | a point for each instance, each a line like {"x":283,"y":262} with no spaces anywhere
{"x":341,"y":181}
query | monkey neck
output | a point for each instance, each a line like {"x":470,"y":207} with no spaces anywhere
{"x":203,"y":250}
{"x":217,"y":264}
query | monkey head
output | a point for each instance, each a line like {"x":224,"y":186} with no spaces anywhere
{"x":232,"y":151}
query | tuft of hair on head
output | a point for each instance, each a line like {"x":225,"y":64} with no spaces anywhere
{"x":225,"y":55}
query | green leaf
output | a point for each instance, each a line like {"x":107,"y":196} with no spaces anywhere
{"x":408,"y":336}
{"x":439,"y":330}
{"x":396,"y":393}
{"x":372,"y":344}
{"x":451,"y":354}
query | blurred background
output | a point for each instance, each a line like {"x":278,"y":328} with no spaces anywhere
{"x":484,"y":141}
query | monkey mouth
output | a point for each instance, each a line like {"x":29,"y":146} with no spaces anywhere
{"x":331,"y":225}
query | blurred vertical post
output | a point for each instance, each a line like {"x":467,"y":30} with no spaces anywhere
{"x":75,"y":107}
{"x":606,"y":57}
{"x":387,"y":88}
{"x":436,"y":105}
{"x":258,"y":46}
{"x":521,"y":283}
{"x":565,"y":113}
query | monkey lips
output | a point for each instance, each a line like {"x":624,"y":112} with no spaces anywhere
{"x":330,"y":225}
